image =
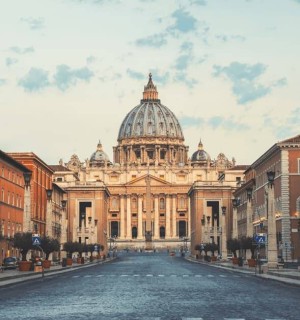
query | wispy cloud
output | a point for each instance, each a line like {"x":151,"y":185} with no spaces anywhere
{"x":91,"y":60}
{"x":215,"y":122}
{"x":184,"y":22}
{"x":2,"y":81}
{"x":187,"y":121}
{"x":66,"y":77}
{"x":183,"y":77}
{"x":156,"y":40}
{"x":19,"y":50}
{"x":34,"y":23}
{"x":35,"y":80}
{"x":244,"y":77}
{"x":227,"y":38}
{"x":10,"y":61}
{"x":135,"y":74}
{"x":199,"y":2}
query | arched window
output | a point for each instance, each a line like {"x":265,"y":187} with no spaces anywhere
{"x":161,"y":203}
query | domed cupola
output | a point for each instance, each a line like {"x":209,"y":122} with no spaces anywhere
{"x":150,"y":133}
{"x":150,"y":118}
{"x":200,"y":157}
{"x":99,"y":157}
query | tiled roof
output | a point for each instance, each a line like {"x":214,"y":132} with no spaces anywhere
{"x":58,"y":167}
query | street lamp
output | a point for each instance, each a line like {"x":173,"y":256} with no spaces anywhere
{"x":235,"y":204}
{"x":272,"y":244}
{"x":49,"y":193}
{"x":27,"y":177}
{"x":224,"y":244}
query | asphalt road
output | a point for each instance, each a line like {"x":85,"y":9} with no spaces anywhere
{"x":150,"y":286}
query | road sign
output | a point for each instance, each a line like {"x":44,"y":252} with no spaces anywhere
{"x":260,"y":238}
{"x":36,"y":240}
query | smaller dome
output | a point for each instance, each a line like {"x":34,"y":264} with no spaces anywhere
{"x":200,"y":155}
{"x":99,"y":157}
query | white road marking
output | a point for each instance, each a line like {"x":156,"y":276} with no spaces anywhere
{"x":136,"y":275}
{"x":185,"y":275}
{"x":198,"y":275}
{"x":161,"y":275}
{"x":210,"y":276}
{"x":222,"y":276}
{"x":75,"y":276}
{"x":149,"y":275}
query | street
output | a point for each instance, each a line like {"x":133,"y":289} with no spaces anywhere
{"x":150,"y":286}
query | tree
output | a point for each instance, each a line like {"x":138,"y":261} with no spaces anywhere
{"x":70,"y":247}
{"x":248,"y":243}
{"x":23,"y":241}
{"x":49,"y":245}
{"x":213,"y":247}
{"x":200,"y":248}
{"x":233,"y":245}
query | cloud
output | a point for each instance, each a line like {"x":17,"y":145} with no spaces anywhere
{"x":10,"y":61}
{"x":281,"y":82}
{"x":243,"y":77}
{"x":158,"y":78}
{"x":187,"y":122}
{"x":215,"y":122}
{"x":91,"y":60}
{"x":227,"y":38}
{"x":199,"y":2}
{"x":183,"y":77}
{"x":19,"y":50}
{"x":66,"y":77}
{"x":156,"y":40}
{"x":135,"y":75}
{"x":34,"y":23}
{"x":2,"y":82}
{"x":35,"y":80}
{"x":184,"y":22}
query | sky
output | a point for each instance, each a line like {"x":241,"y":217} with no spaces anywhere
{"x":70,"y":71}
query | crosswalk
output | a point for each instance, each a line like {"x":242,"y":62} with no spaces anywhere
{"x":150,"y":275}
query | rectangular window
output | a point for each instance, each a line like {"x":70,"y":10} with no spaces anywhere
{"x":298,"y":165}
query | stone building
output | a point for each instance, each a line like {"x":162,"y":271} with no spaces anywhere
{"x":141,"y":198}
{"x":253,"y":212}
{"x":12,"y":194}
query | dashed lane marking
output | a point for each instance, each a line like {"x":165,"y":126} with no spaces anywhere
{"x":75,"y":276}
{"x":149,"y":275}
{"x":87,"y":276}
{"x":161,"y":275}
{"x":210,"y":276}
{"x":198,"y":275}
{"x":222,"y":276}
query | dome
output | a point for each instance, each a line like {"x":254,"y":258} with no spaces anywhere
{"x":99,"y":157}
{"x":150,"y":118}
{"x":200,"y":155}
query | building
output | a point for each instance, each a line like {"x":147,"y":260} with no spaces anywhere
{"x":141,"y":198}
{"x":254,"y":210}
{"x":41,"y":181}
{"x":12,"y":194}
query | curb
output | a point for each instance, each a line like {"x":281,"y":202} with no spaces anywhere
{"x":10,"y":280}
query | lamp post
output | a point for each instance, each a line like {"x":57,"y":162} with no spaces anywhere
{"x":27,"y":202}
{"x":224,"y":236}
{"x":272,"y":244}
{"x":49,"y":212}
{"x":235,"y":204}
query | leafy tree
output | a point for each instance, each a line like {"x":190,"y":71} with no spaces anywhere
{"x":213,"y":248}
{"x":49,"y":245}
{"x":248,"y":243}
{"x":23,"y":241}
{"x":70,"y":247}
{"x":233,"y":245}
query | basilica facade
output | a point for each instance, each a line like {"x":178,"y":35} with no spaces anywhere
{"x":153,"y":194}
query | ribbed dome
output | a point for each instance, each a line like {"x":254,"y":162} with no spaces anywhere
{"x":200,"y":155}
{"x":99,"y":157}
{"x":150,"y":118}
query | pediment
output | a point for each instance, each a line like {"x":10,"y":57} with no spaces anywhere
{"x":154,"y":181}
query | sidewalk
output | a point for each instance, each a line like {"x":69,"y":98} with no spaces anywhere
{"x":289,"y":276}
{"x":8,"y":277}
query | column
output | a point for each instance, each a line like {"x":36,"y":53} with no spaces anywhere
{"x":168,"y":216}
{"x":122,"y":217}
{"x":156,"y":217}
{"x":234,"y":223}
{"x":224,"y":236}
{"x":128,"y":233}
{"x":272,"y":244}
{"x":49,"y":217}
{"x":140,"y":216}
{"x":189,"y":216}
{"x":174,"y":220}
{"x":27,"y":213}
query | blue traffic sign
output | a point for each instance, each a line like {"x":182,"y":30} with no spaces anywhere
{"x":36,"y":240}
{"x":260,"y":238}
